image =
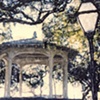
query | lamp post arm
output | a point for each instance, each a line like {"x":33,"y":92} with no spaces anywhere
{"x":84,"y":12}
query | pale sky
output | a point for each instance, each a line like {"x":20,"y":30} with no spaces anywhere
{"x":26,"y":31}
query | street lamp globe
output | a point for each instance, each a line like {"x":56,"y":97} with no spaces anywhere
{"x":87,"y":16}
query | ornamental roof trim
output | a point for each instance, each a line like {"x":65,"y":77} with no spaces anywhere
{"x":33,"y":43}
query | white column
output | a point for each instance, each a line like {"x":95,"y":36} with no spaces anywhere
{"x":20,"y":82}
{"x":8,"y":75}
{"x":50,"y":75}
{"x":65,"y":79}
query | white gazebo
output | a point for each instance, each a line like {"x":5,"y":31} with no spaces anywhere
{"x":31,"y":51}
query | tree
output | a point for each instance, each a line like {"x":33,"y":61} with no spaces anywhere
{"x":63,"y":29}
{"x":2,"y":71}
{"x":34,"y":12}
{"x":29,"y":11}
{"x":5,"y":33}
{"x":34,"y":79}
{"x":81,"y":73}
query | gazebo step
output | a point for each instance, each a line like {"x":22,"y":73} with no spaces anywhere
{"x":37,"y":98}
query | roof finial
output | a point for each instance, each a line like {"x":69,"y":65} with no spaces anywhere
{"x":34,"y":35}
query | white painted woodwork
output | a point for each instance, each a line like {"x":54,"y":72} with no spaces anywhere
{"x":50,"y":75}
{"x":65,"y":79}
{"x":20,"y":80}
{"x":8,"y":75}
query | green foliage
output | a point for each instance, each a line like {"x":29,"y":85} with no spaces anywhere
{"x":63,"y":29}
{"x":35,"y":77}
{"x":60,"y":28}
{"x":57,"y":72}
{"x":5,"y":33}
{"x":29,"y":12}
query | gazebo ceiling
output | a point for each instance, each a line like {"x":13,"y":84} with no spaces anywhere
{"x":39,"y":55}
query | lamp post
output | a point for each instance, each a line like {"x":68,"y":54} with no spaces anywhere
{"x":87,"y":17}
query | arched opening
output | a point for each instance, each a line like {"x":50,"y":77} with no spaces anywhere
{"x":34,"y":83}
{"x":32,"y":72}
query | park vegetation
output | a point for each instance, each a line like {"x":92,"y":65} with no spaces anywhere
{"x":62,"y":29}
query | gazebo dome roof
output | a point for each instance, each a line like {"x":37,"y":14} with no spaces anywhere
{"x":23,"y":42}
{"x":33,"y":43}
